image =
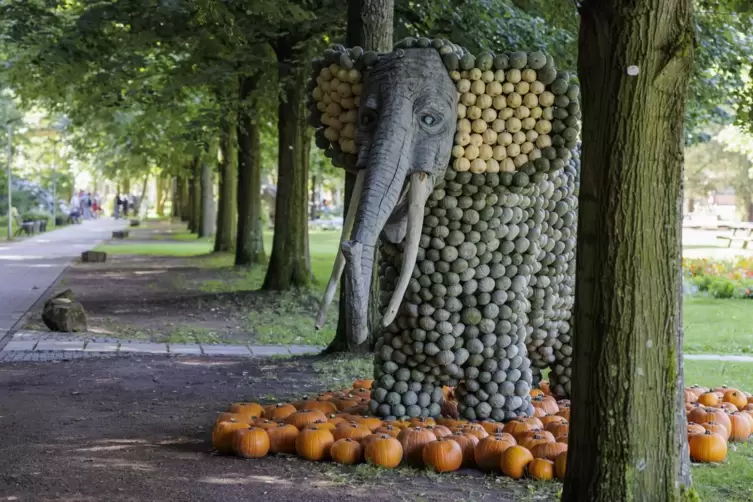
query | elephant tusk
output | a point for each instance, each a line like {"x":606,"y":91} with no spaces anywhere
{"x":419,"y":191}
{"x":339,"y":266}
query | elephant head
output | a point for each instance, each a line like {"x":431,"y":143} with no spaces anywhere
{"x":406,"y":121}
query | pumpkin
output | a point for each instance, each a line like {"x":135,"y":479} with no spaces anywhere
{"x":694,"y":428}
{"x":421,"y":421}
{"x":350,"y":430}
{"x":493,"y":427}
{"x":326,"y":424}
{"x":560,"y":466}
{"x":546,"y":434}
{"x":750,"y":399}
{"x":557,"y":428}
{"x":536,"y":392}
{"x":282,"y":438}
{"x":717,"y":428}
{"x":723,"y":388}
{"x":468,"y":444}
{"x":448,"y":422}
{"x":563,"y":438}
{"x":535,"y":421}
{"x":247,"y":409}
{"x":222,"y":435}
{"x":741,"y":426}
{"x":530,"y":442}
{"x":541,"y":469}
{"x":443,"y":455}
{"x":563,"y":403}
{"x":413,"y":440}
{"x":690,"y":396}
{"x":748,"y":407}
{"x":279,"y":411}
{"x":551,"y":419}
{"x":489,"y":451}
{"x":384,"y":451}
{"x":517,"y":426}
{"x":347,"y":402}
{"x":363,"y":384}
{"x":544,"y":386}
{"x":474,"y":430}
{"x":697,"y":390}
{"x":371,"y":423}
{"x":389,"y":430}
{"x":514,"y":461}
{"x":326,"y":407}
{"x":735,"y":397}
{"x":346,"y":451}
{"x":546,"y":403}
{"x":539,"y":413}
{"x":703,"y":414}
{"x":709,"y":399}
{"x":728,"y":407}
{"x":304,"y":417}
{"x":251,"y":442}
{"x":548,"y":450}
{"x":356,"y":410}
{"x":265,"y":424}
{"x":337,"y":419}
{"x":439,"y":430}
{"x":228,"y":416}
{"x":371,"y":437}
{"x":564,"y":413}
{"x":708,"y":447}
{"x":314,"y":443}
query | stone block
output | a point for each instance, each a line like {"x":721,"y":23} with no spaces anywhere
{"x":93,"y":257}
{"x":146,"y":348}
{"x":303,"y":349}
{"x":226,"y":350}
{"x":135,"y":223}
{"x":20,"y":345}
{"x":184,"y":348}
{"x":269,"y":350}
{"x":120,"y":234}
{"x":101,"y":347}
{"x":60,"y":345}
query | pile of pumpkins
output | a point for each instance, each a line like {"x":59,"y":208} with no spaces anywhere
{"x":335,"y":426}
{"x":716,"y":416}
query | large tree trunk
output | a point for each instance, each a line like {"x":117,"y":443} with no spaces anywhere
{"x":185,"y":198}
{"x":625,"y":442}
{"x":289,"y":261}
{"x":224,"y":240}
{"x":370,"y":25}
{"x":177,"y":201}
{"x":206,"y":190}
{"x":249,"y":249}
{"x":195,"y":196}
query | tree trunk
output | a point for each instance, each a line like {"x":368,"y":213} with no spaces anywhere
{"x":370,"y":26}
{"x":313,"y":197}
{"x":195,"y":196}
{"x":207,"y":220}
{"x":177,"y":201}
{"x":224,"y":240}
{"x":249,"y":249}
{"x":625,"y":442}
{"x":289,"y":261}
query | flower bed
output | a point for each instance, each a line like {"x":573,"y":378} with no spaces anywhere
{"x":720,"y":279}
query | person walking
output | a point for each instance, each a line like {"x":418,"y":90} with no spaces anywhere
{"x":125,"y":206}
{"x":75,"y":207}
{"x":116,"y":206}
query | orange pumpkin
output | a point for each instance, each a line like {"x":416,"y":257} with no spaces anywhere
{"x":493,"y":427}
{"x":517,"y":426}
{"x":694,"y":428}
{"x":690,"y":396}
{"x":535,"y":421}
{"x":422,"y":421}
{"x":741,"y":426}
{"x":544,"y":386}
{"x":468,"y":444}
{"x":265,"y":424}
{"x":560,"y":466}
{"x":363,"y":384}
{"x":389,"y":430}
{"x":564,"y":413}
{"x":326,"y":407}
{"x":548,"y":450}
{"x":251,"y":442}
{"x":314,"y":443}
{"x":304,"y":417}
{"x":717,"y":428}
{"x":528,"y":434}
{"x":448,"y":422}
{"x":704,"y":414}
{"x":222,"y":435}
{"x":347,"y":402}
{"x":551,"y":419}
{"x":562,"y":438}
{"x":697,"y":390}
{"x":279,"y":411}
{"x":247,"y":409}
{"x":371,"y":423}
{"x":439,"y":431}
{"x":541,"y":469}
{"x":346,"y":451}
{"x":709,"y":399}
{"x":557,"y":428}
{"x":489,"y":451}
{"x":514,"y":461}
{"x":413,"y":440}
{"x":546,"y":403}
{"x":325,"y":424}
{"x":228,"y":416}
{"x":530,"y":442}
{"x":708,"y":447}
{"x":350,"y":430}
{"x":384,"y":451}
{"x":536,"y":392}
{"x":443,"y":455}
{"x":728,"y":407}
{"x":473,"y":429}
{"x":336,"y":419}
{"x":736,"y":398}
{"x":282,"y":438}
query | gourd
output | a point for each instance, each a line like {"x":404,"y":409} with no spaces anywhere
{"x":443,"y":455}
{"x":707,"y":447}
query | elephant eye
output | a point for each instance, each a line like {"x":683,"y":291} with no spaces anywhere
{"x":429,"y":120}
{"x":368,"y":117}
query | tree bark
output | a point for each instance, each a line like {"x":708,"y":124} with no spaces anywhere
{"x":195,"y":189}
{"x":625,"y":442}
{"x":370,"y":26}
{"x":177,"y":201}
{"x":185,"y":198}
{"x":289,"y":261}
{"x":224,"y":240}
{"x":206,"y":200}
{"x":249,"y":249}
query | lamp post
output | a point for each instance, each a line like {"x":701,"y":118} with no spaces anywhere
{"x":10,"y":179}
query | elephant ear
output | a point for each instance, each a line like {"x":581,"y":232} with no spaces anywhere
{"x":517,"y":116}
{"x":334,"y":93}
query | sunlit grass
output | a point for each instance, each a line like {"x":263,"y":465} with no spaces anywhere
{"x":716,"y":326}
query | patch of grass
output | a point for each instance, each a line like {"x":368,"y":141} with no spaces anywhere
{"x":156,"y":248}
{"x":340,"y":370}
{"x":714,"y":326}
{"x":287,"y":320}
{"x":717,"y":373}
{"x":189,"y":334}
{"x":730,"y":480}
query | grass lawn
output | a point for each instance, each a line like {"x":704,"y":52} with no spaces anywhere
{"x":715,"y":326}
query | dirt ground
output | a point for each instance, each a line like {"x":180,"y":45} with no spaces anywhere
{"x":181,"y":299}
{"x":137,"y":429}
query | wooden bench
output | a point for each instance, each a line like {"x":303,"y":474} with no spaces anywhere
{"x":742,"y":233}
{"x":22,"y":227}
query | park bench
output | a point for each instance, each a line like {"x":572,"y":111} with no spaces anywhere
{"x":22,"y":227}
{"x":742,"y":232}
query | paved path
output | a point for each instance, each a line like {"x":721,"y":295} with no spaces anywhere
{"x":29,"y":267}
{"x":43,"y":346}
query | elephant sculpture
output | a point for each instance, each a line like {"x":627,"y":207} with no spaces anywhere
{"x":466,"y":182}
